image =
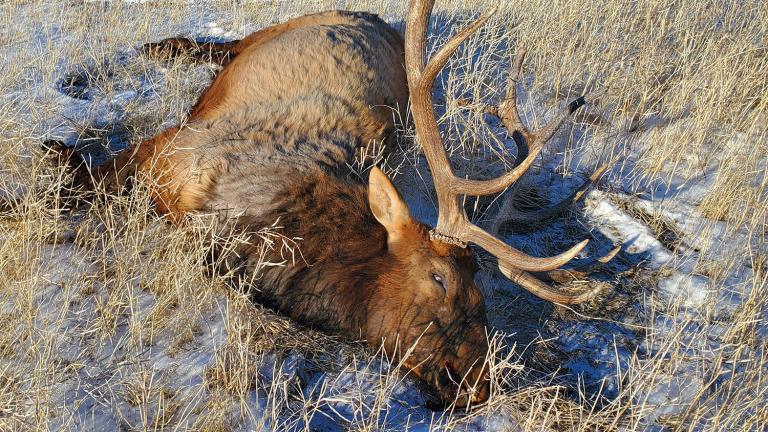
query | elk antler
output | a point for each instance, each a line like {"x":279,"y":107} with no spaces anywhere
{"x":453,"y":226}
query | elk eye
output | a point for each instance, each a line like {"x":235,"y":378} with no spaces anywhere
{"x":438,"y":280}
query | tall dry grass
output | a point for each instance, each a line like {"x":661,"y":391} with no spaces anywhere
{"x":88,"y":296}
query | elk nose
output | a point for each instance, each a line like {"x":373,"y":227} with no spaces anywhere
{"x":478,"y":384}
{"x":482,"y":392}
{"x":472,"y":390}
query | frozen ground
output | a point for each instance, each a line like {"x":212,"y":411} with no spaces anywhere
{"x":659,"y":293}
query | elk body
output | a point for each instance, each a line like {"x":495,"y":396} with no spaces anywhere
{"x":271,"y":139}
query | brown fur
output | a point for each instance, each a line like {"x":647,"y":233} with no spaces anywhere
{"x":271,"y":139}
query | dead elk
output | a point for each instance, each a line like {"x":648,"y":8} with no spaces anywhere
{"x":271,"y":139}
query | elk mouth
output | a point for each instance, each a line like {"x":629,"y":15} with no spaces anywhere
{"x":459,"y":390}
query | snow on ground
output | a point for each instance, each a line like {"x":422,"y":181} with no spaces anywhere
{"x":592,"y":352}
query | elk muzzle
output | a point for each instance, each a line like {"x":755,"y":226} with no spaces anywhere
{"x":463,"y":380}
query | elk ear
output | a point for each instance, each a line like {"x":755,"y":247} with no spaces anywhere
{"x":387,"y":205}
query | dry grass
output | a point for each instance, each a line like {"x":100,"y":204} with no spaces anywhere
{"x":108,"y":306}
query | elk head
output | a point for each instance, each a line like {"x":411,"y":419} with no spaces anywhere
{"x":428,"y":298}
{"x":438,"y":308}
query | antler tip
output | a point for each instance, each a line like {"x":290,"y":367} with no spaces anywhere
{"x":610,"y":255}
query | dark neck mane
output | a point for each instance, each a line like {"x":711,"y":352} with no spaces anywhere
{"x":342,"y":253}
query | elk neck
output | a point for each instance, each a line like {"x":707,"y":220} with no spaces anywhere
{"x":343,"y":254}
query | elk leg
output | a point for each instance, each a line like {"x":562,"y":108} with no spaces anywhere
{"x":151,"y":161}
{"x":67,"y":157}
{"x":203,"y":52}
{"x":115,"y":173}
{"x":81,"y":175}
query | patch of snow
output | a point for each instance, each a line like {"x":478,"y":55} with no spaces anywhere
{"x":691,"y":291}
{"x":617,"y":225}
{"x":670,"y":395}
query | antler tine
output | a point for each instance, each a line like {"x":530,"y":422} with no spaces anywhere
{"x":531,"y":142}
{"x":582,"y":271}
{"x":501,"y":250}
{"x":507,"y":111}
{"x":438,"y":61}
{"x":543,"y":290}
